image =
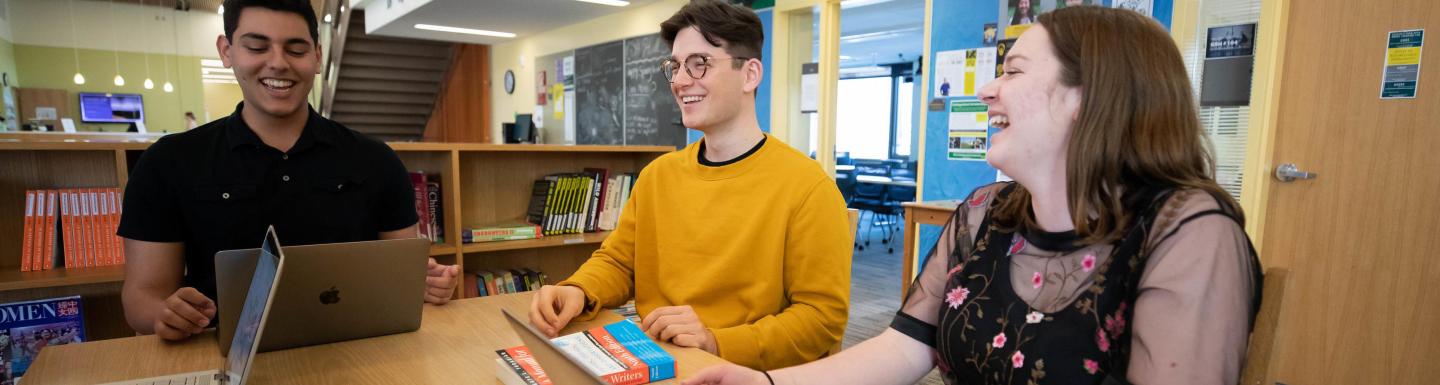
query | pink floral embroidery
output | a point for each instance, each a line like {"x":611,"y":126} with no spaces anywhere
{"x":1017,"y":246}
{"x":1034,"y":317}
{"x":1115,"y":324}
{"x":1102,"y":340}
{"x":955,"y":270}
{"x":979,"y":199}
{"x":956,"y":297}
{"x":1088,"y":263}
{"x":999,"y":341}
{"x":1018,"y":359}
{"x":1091,"y":366}
{"x":1037,"y":280}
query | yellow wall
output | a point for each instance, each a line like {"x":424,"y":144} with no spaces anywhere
{"x":220,"y":101}
{"x":519,"y":56}
{"x":54,"y":67}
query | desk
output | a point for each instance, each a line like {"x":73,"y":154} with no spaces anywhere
{"x":456,"y":343}
{"x":916,"y":214}
{"x":878,"y":179}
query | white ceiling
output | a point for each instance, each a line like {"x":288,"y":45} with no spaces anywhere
{"x":520,"y":17}
{"x":880,"y":32}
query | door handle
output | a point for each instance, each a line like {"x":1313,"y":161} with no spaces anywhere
{"x":1288,"y":172}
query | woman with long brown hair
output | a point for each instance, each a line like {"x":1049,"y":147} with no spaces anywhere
{"x":1114,"y":257}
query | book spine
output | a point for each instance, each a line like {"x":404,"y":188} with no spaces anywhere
{"x":67,"y":227}
{"x":52,"y":235}
{"x":102,"y":230}
{"x":432,"y":204}
{"x":27,"y":246}
{"x":550,"y":203}
{"x":118,"y":244}
{"x":417,"y":182}
{"x":82,"y":228}
{"x":92,"y":232}
{"x":44,"y":261}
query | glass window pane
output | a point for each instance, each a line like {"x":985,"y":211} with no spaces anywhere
{"x":862,"y":118}
{"x":904,"y":106}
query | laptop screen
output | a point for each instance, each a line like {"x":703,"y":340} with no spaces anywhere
{"x":252,"y":315}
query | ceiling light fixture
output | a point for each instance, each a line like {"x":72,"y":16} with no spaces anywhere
{"x":615,"y":3}
{"x":115,"y":46}
{"x":222,"y":9}
{"x":74,"y":47}
{"x":467,"y":31}
{"x":149,"y":84}
{"x":328,"y":18}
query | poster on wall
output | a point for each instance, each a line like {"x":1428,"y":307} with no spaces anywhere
{"x":1402,"y":64}
{"x":1018,"y":15}
{"x":1141,"y":6}
{"x":809,"y":87}
{"x":969,"y":124}
{"x":979,"y":64}
{"x":1000,"y":49}
{"x":949,"y":72}
{"x":1229,"y":62}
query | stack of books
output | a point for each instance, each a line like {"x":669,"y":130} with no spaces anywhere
{"x":71,"y":228}
{"x":588,"y":201}
{"x":619,"y":352}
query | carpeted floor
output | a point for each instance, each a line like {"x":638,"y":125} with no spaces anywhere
{"x":875,"y":290}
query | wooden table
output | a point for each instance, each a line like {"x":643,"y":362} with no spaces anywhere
{"x":916,"y":214}
{"x":456,"y":343}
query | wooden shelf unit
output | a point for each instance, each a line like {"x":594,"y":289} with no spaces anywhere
{"x":481,"y":183}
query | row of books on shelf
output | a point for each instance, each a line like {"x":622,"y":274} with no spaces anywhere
{"x":566,"y":203}
{"x":71,"y":228}
{"x":27,"y":327}
{"x":428,"y":205}
{"x":484,"y":283}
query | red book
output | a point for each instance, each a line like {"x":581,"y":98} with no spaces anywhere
{"x":422,"y":205}
{"x":68,"y":203}
{"x":116,"y":244}
{"x":27,"y":247}
{"x":52,"y":199}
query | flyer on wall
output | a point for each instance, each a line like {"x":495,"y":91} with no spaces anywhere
{"x":969,"y":124}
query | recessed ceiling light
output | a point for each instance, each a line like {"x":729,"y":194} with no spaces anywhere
{"x":617,"y":3}
{"x":467,"y":31}
{"x":222,"y":9}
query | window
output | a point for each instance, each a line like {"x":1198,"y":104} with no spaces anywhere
{"x":862,"y":117}
{"x":904,"y":110}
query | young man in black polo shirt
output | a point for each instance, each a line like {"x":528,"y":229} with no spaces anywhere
{"x":274,"y":161}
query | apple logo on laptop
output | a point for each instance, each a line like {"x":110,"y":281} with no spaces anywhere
{"x":330,"y":297}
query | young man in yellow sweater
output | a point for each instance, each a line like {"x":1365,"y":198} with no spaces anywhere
{"x":738,"y":244}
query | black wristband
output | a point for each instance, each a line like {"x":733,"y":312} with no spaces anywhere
{"x":767,"y":377}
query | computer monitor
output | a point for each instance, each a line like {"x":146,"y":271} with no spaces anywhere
{"x":111,"y":108}
{"x":522,"y":131}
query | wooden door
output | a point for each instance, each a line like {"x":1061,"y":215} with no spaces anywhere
{"x":1363,"y":238}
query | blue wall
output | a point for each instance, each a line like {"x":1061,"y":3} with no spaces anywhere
{"x":957,"y":24}
{"x":762,"y":95}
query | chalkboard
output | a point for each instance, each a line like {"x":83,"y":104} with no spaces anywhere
{"x":599,"y":94}
{"x":651,"y":115}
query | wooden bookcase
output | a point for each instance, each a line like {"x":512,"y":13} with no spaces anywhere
{"x":481,"y":183}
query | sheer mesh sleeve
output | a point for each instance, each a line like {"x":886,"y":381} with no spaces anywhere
{"x":921,"y":310}
{"x":1192,"y":317}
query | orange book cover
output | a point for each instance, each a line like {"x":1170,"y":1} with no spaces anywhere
{"x":112,"y":218}
{"x":92,"y":232}
{"x":51,"y":202}
{"x":105,"y":248}
{"x":119,"y":197}
{"x":37,"y":258}
{"x":67,"y":227}
{"x":27,"y":247}
{"x":84,"y":219}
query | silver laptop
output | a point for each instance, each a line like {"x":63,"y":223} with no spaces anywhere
{"x":251,"y":322}
{"x":559,"y":366}
{"x":331,"y":292}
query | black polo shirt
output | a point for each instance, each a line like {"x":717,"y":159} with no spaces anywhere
{"x":217,"y":187}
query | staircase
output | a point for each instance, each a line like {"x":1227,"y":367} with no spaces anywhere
{"x":385,"y":87}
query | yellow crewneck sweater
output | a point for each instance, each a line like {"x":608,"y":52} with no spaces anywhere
{"x":760,"y":248}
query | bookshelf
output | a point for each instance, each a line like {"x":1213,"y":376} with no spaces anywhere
{"x":481,"y":183}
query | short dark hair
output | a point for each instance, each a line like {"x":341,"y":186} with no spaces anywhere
{"x":719,"y":22}
{"x":233,"y":9}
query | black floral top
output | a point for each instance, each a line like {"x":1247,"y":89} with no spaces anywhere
{"x":1169,"y":302}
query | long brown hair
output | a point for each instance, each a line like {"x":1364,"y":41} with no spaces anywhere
{"x":1137,"y":128}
